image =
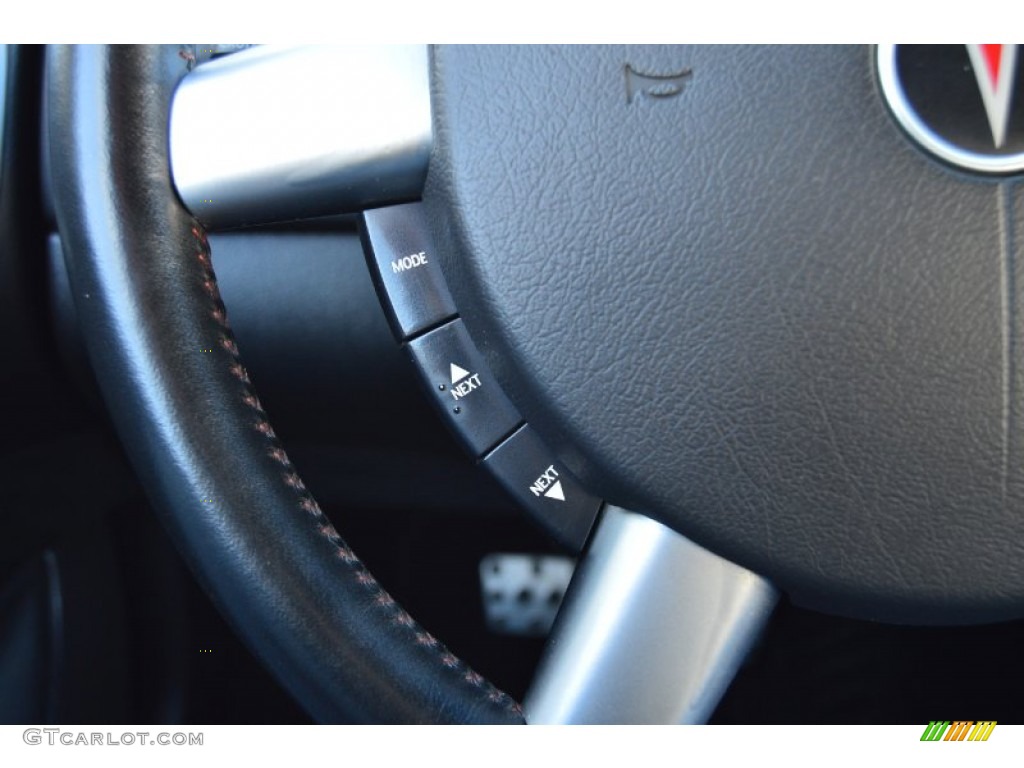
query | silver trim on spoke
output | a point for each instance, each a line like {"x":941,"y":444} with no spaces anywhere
{"x":653,"y":629}
{"x":275,"y":133}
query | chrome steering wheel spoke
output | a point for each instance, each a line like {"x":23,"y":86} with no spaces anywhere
{"x":653,"y":629}
{"x":276,"y":133}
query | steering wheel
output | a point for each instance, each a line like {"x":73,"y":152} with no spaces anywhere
{"x":724,"y":286}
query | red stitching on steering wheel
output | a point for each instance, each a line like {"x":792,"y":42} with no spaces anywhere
{"x":382,"y":600}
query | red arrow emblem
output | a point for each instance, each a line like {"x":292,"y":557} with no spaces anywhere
{"x":995,"y":67}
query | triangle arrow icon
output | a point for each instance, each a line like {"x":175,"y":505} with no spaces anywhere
{"x":458,"y":373}
{"x":555,"y":491}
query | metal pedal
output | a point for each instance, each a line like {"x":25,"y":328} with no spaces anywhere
{"x":522,"y":593}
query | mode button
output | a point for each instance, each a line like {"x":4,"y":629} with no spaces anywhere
{"x":402,"y":259}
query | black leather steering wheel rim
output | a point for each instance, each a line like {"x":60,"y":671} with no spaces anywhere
{"x":170,"y":371}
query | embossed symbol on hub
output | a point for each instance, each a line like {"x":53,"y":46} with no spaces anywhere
{"x":655,"y":86}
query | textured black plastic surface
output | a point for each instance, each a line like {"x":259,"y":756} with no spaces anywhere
{"x":752,"y":309}
{"x":544,"y":487}
{"x":463,"y":388}
{"x":403,"y":263}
